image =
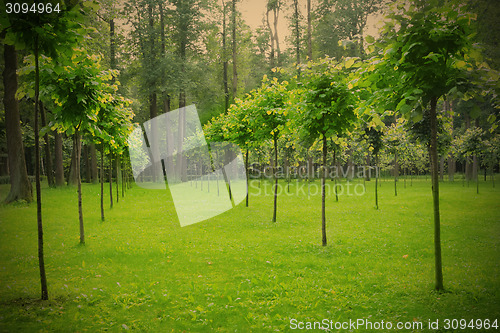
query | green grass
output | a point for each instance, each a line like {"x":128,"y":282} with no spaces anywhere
{"x":239,"y":271}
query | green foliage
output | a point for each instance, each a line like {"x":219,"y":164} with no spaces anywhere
{"x":421,"y":56}
{"x":83,"y":97}
{"x":328,"y":104}
{"x":53,"y":33}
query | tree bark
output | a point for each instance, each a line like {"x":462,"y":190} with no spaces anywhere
{"x":246,"y":172}
{"x":451,"y":167}
{"x":441,"y":168}
{"x":58,"y":159}
{"x":102,"y":181}
{"x":49,"y":170}
{"x":275,"y":177}
{"x":309,"y":31}
{"x":86,"y":159}
{"x":235,"y":72}
{"x":41,"y":260}
{"x":435,"y":196}
{"x":297,"y":31}
{"x":323,"y":194}
{"x":20,"y":186}
{"x":72,"y":176}
{"x":271,"y":56}
{"x":396,"y":173}
{"x":93,"y":163}
{"x":77,"y":145}
{"x":117,"y":164}
{"x":110,"y":181}
{"x":376,"y":181}
{"x":276,"y":12}
{"x":224,"y":61}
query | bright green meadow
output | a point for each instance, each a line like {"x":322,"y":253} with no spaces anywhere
{"x":239,"y":272}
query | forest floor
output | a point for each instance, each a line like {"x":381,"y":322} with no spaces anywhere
{"x":240,"y":272}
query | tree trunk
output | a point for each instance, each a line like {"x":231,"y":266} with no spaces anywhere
{"x":396,"y":173}
{"x":58,"y":159}
{"x":323,"y":194}
{"x":93,"y":163}
{"x":224,"y":61}
{"x":297,"y":31}
{"x":110,"y":180}
{"x":275,"y":177}
{"x":246,"y":172}
{"x":72,"y":176}
{"x":86,"y":159}
{"x":102,"y":181}
{"x":309,"y":31}
{"x":122,"y":175}
{"x":271,"y":56}
{"x":41,"y":260}
{"x":235,"y":72}
{"x":20,"y":186}
{"x":451,"y":168}
{"x":435,"y":197}
{"x":153,"y":113}
{"x":49,"y":170}
{"x":117,"y":163}
{"x":276,"y":12}
{"x":441,"y":168}
{"x":77,"y":145}
{"x":376,"y":181}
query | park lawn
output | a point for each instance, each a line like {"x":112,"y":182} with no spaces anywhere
{"x":239,"y":271}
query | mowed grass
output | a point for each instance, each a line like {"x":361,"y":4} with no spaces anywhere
{"x":239,"y":271}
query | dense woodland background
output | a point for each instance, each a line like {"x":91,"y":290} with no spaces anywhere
{"x":173,"y":53}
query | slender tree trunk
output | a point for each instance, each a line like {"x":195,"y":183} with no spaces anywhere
{"x":441,"y":168}
{"x":86,"y":158}
{"x":451,"y":168}
{"x":271,"y":56}
{"x":309,"y":31}
{"x":246,"y":171}
{"x":235,"y":72}
{"x":435,"y":196}
{"x":77,"y":145}
{"x":117,"y":163}
{"x":122,"y":175}
{"x":20,"y":186}
{"x":276,"y":12}
{"x":275,"y":177}
{"x":336,"y":173}
{"x":224,"y":61}
{"x":41,"y":260}
{"x":110,"y":180}
{"x":102,"y":181}
{"x":93,"y":163}
{"x":396,"y":172}
{"x":376,"y":181}
{"x":323,"y":194}
{"x":72,"y":176}
{"x":58,"y":159}
{"x":48,"y":156}
{"x":297,"y":31}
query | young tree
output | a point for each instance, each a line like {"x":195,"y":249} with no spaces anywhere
{"x":84,"y":104}
{"x":329,"y":110}
{"x":50,"y":34}
{"x":423,"y":50}
{"x":271,"y":106}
